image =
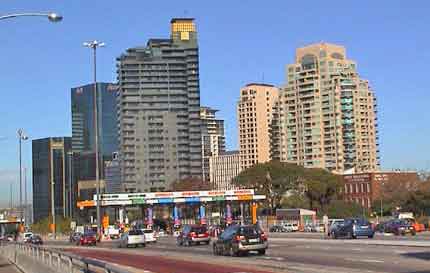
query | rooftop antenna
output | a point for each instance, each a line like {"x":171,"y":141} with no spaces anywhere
{"x":262,"y":77}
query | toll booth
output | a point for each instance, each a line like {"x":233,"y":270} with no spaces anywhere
{"x":186,"y":207}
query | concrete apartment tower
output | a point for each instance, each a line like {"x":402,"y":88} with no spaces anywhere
{"x":159,"y":110}
{"x":326,"y":113}
{"x":254,"y":112}
{"x":213,"y":138}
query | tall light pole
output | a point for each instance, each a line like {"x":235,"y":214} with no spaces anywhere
{"x":52,"y":17}
{"x":21,"y":137}
{"x":70,"y":154}
{"x":25,"y":197}
{"x":94,"y":45}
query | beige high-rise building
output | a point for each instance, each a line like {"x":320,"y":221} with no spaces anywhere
{"x":224,"y":167}
{"x":254,"y":112}
{"x":326,"y":113}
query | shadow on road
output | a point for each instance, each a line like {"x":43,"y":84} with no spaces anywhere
{"x":418,"y":255}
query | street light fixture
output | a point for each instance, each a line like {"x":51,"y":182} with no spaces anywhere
{"x":94,"y":45}
{"x":52,"y":17}
{"x":21,"y":137}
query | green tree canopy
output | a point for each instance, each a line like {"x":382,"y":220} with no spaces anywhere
{"x":321,"y":187}
{"x":272,"y":179}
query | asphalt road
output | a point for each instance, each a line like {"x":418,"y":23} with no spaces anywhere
{"x":283,"y":256}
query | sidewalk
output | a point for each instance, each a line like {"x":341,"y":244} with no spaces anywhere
{"x":7,"y":267}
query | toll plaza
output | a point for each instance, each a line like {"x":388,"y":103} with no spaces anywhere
{"x":185,"y":207}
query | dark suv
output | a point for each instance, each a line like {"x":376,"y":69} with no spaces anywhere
{"x":353,"y":228}
{"x":193,"y":234}
{"x":237,"y":240}
{"x":399,"y":227}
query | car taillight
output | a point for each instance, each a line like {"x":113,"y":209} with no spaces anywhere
{"x":206,"y":234}
{"x":239,"y":238}
{"x":193,"y":234}
{"x":263,"y":236}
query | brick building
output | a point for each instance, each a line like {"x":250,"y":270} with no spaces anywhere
{"x":365,"y":188}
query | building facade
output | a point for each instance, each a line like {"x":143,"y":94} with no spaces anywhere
{"x":159,"y":110}
{"x":213,"y":138}
{"x":51,"y":172}
{"x":366,"y":188}
{"x":83,"y":131}
{"x":224,"y":167}
{"x":255,"y":113}
{"x":113,"y":175}
{"x":326,"y":113}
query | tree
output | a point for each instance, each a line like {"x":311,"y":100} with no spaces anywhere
{"x":342,"y":209}
{"x":272,"y":179}
{"x":296,"y":200}
{"x":191,"y":184}
{"x":321,"y":187}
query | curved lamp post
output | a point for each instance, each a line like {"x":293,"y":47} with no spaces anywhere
{"x":53,"y":17}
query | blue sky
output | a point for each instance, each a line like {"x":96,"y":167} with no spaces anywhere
{"x":240,"y":41}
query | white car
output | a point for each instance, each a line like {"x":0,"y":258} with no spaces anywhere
{"x":134,"y":237}
{"x":291,"y":227}
{"x":26,"y":236}
{"x":150,"y":236}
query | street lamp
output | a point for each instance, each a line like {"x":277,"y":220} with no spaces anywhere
{"x":94,"y":45}
{"x":52,"y":17}
{"x":21,"y":137}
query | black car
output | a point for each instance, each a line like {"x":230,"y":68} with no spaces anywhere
{"x":277,"y":228}
{"x":193,"y":234}
{"x":35,"y":240}
{"x":353,"y":228}
{"x":237,"y":240}
{"x":399,"y":227}
{"x":75,"y":237}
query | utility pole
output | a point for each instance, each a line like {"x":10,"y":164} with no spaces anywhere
{"x":25,"y":196}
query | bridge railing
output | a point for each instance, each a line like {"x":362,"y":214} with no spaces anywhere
{"x":24,"y":255}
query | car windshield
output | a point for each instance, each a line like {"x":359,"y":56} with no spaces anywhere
{"x":248,"y":231}
{"x":89,"y":234}
{"x":361,"y":222}
{"x":135,"y":232}
{"x":36,"y":237}
{"x":148,"y":231}
{"x":198,"y":230}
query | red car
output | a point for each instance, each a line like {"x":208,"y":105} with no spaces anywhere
{"x":87,"y":239}
{"x":193,"y":234}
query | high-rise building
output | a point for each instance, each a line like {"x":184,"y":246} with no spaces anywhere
{"x":159,"y":110}
{"x":213,"y":138}
{"x":51,"y":173}
{"x":83,"y":131}
{"x":327,"y":113}
{"x":254,"y":112}
{"x":224,"y":167}
{"x":113,"y":175}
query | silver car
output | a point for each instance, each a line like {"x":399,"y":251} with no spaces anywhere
{"x":134,"y":237}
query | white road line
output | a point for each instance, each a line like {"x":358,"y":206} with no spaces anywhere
{"x":364,"y":260}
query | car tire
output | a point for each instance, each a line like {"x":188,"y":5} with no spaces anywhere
{"x":261,"y":252}
{"x":413,"y":233}
{"x":370,"y":236}
{"x":144,"y":245}
{"x":215,"y":250}
{"x":232,"y":253}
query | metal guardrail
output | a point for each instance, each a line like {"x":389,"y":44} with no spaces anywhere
{"x":55,"y":259}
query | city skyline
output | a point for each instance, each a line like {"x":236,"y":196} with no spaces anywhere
{"x":218,"y":87}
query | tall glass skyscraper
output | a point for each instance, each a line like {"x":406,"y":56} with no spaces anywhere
{"x":159,"y":110}
{"x":51,"y":171}
{"x":82,"y":99}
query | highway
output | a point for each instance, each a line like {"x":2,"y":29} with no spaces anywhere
{"x":287,"y":253}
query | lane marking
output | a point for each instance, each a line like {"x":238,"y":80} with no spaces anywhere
{"x":364,"y":260}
